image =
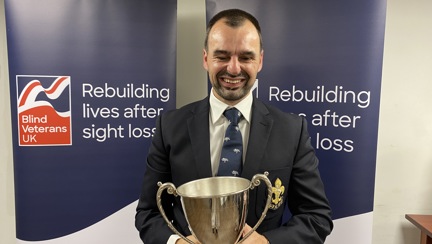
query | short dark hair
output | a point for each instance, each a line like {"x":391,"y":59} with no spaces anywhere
{"x":234,"y":18}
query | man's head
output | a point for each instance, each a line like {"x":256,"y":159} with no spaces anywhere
{"x":233,"y":54}
{"x":233,"y":18}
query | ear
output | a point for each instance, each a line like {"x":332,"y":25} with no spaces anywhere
{"x":261,"y":60}
{"x":205,"y":64}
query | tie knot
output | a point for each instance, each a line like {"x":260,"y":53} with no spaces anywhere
{"x":233,"y":115}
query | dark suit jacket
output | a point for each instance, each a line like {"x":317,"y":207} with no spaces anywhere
{"x":279,"y":143}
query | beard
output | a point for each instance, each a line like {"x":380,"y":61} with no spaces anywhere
{"x":234,"y":94}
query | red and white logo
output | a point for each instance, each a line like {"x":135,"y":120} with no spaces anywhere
{"x":44,"y":110}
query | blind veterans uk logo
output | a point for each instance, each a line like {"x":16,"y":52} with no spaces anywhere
{"x":44,"y":110}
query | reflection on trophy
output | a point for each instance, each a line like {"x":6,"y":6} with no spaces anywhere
{"x":216,"y":207}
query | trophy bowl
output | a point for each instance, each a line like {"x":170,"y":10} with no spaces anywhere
{"x":215,"y":207}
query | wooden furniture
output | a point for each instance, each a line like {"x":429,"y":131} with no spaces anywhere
{"x":424,"y":223}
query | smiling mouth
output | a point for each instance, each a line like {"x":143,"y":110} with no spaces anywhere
{"x":231,"y":81}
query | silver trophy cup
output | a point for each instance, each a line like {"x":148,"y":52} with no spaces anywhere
{"x":215,"y":207}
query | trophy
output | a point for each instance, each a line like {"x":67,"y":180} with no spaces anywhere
{"x":215,"y":207}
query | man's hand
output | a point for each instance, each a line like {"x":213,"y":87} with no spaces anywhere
{"x":254,"y":238}
{"x":191,"y":237}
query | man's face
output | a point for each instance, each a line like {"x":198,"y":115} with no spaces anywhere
{"x":233,"y":60}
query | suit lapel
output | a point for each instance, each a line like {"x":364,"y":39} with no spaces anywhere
{"x":261,"y":125}
{"x":200,"y":138}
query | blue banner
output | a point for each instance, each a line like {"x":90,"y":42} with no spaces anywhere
{"x":323,"y":60}
{"x":87,"y":80}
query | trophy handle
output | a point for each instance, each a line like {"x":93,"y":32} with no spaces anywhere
{"x":171,"y":189}
{"x":255,"y":182}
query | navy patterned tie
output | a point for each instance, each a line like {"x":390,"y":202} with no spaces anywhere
{"x":232,"y":150}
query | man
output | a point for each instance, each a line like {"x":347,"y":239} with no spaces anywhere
{"x":188,"y":142}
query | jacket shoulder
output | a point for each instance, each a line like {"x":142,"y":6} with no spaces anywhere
{"x":188,"y":109}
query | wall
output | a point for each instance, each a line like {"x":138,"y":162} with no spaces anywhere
{"x":7,"y":204}
{"x":404,"y":161}
{"x":191,"y":76}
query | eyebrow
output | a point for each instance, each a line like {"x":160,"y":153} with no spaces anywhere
{"x":224,"y":52}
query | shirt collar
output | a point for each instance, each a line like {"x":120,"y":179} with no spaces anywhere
{"x":217,"y":107}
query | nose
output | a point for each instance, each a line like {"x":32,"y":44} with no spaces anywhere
{"x":234,"y":66}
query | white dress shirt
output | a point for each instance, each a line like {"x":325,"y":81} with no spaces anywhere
{"x":218,"y":125}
